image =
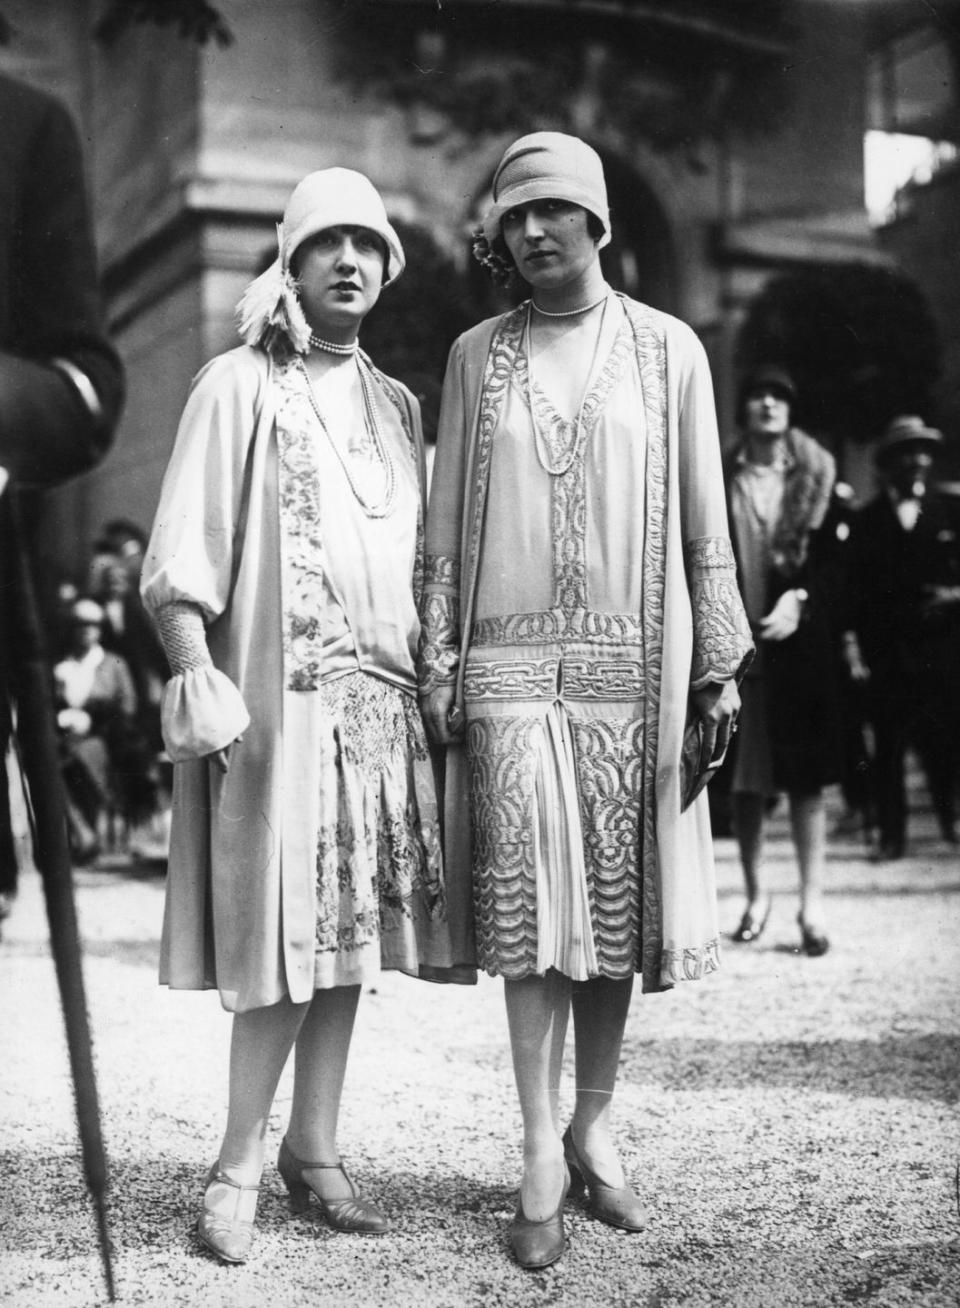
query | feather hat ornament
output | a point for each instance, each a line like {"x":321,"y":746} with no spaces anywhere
{"x":269,"y":313}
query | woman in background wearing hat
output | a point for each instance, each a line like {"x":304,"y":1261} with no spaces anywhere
{"x":581,"y":610}
{"x":282,"y":570}
{"x":780,"y":482}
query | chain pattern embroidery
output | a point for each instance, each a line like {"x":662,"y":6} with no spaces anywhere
{"x":584,"y":678}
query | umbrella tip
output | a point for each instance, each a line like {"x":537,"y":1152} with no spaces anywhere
{"x":106,"y":1255}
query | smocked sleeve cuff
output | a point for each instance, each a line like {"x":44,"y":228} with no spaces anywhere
{"x":439,"y":655}
{"x":722,"y":642}
{"x":201,"y":711}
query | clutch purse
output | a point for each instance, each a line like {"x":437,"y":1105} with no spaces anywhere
{"x":693,"y":777}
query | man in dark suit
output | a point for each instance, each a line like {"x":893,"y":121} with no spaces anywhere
{"x":905,"y":584}
{"x":61,"y":383}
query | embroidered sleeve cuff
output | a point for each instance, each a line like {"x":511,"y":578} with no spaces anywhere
{"x":440,"y":570}
{"x":439,"y":657}
{"x":722,"y":642}
{"x":183,"y":635}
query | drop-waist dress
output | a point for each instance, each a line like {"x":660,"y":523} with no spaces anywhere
{"x":579,"y":583}
{"x":315,"y":860}
{"x":554,"y":681}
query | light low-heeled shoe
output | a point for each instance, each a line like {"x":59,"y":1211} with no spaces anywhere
{"x":347,"y":1214}
{"x":752,"y":925}
{"x":618,"y":1206}
{"x":538,"y":1244}
{"x":228,"y":1230}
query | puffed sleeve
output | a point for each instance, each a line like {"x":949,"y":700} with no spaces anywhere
{"x":189,"y":564}
{"x":722,"y":641}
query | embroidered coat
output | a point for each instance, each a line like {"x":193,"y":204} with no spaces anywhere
{"x":693,"y":629}
{"x":243,"y":846}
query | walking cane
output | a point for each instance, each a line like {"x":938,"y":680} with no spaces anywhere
{"x":36,"y":737}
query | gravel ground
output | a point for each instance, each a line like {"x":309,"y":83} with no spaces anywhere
{"x":792,"y":1121}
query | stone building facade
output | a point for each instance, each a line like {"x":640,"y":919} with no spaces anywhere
{"x":732,"y":137}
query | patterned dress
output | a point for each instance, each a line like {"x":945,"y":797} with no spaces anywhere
{"x":350,"y":629}
{"x":579,"y":582}
{"x":314,"y":860}
{"x":555,"y":680}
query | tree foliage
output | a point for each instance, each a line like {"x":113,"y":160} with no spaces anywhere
{"x":860,"y":341}
{"x":416,"y":320}
{"x":195,"y":20}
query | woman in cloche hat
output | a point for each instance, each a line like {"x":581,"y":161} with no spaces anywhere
{"x":281,"y":572}
{"x":582,"y":621}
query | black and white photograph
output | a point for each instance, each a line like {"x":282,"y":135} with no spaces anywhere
{"x":480,"y":653}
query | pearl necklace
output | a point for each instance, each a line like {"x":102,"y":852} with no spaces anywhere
{"x":557,"y":466}
{"x":333,"y":347}
{"x":379,"y":508}
{"x":568,"y":313}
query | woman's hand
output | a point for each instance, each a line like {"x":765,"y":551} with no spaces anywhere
{"x":75,"y":721}
{"x":784,"y":618}
{"x":443,"y":720}
{"x":717,"y":705}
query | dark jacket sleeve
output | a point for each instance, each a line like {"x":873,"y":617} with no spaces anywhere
{"x":50,"y":305}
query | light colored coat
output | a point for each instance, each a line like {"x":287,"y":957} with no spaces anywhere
{"x":241,"y":895}
{"x":694,"y":627}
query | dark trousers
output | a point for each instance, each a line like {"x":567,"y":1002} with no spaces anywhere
{"x":8,"y":853}
{"x":914,"y":704}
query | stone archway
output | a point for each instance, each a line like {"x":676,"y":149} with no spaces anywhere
{"x":641,"y":257}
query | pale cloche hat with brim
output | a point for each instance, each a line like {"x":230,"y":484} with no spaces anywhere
{"x":548,"y":166}
{"x":332,"y":197}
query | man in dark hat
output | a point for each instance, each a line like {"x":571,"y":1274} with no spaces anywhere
{"x":779,"y":487}
{"x":905,"y":583}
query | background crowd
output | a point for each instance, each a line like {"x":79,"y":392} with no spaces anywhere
{"x":877,"y":644}
{"x":108,"y":670}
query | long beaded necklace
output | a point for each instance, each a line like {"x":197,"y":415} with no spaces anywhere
{"x":373,"y":447}
{"x":333,"y":347}
{"x":558,"y":464}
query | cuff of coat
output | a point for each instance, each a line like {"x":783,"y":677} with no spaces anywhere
{"x":201,"y":711}
{"x":438,"y":660}
{"x":722,"y":640}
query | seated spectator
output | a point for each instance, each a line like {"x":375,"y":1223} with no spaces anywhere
{"x":128,"y":629}
{"x":108,"y":764}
